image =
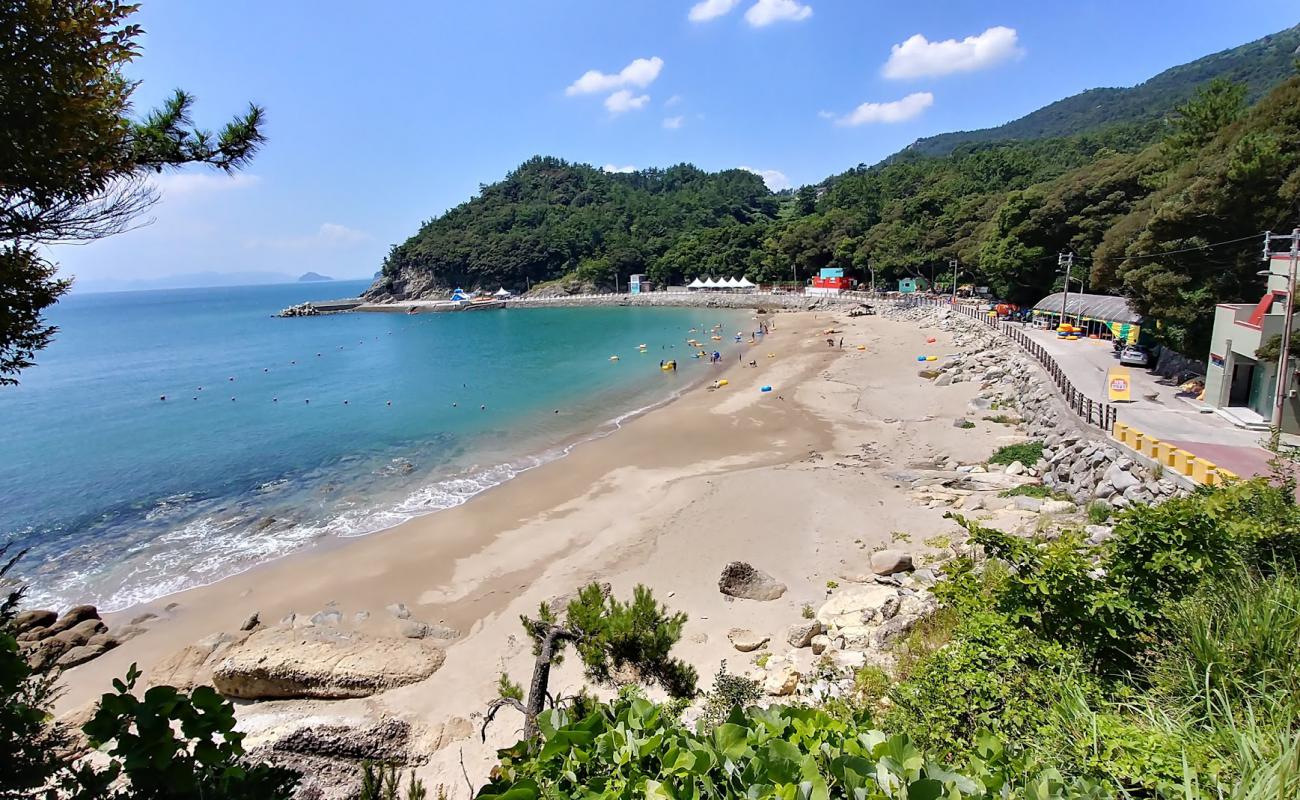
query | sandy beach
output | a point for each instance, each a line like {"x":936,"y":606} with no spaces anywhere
{"x":795,"y":481}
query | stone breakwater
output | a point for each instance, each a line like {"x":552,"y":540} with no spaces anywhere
{"x":1078,"y":460}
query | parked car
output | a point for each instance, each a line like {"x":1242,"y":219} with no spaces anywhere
{"x":1135,"y":355}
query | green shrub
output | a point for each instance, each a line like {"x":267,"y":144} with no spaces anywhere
{"x":993,"y":675}
{"x":1099,"y":512}
{"x":729,"y":692}
{"x":1001,"y":419}
{"x":1034,"y":490}
{"x":29,"y":747}
{"x":172,"y":744}
{"x":1027,"y":453}
{"x":384,"y":782}
{"x":630,"y":749}
{"x":1133,"y":746}
{"x":807,"y":612}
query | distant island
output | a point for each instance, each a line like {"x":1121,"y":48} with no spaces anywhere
{"x":313,"y":276}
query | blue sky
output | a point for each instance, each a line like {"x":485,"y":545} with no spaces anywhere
{"x":382,"y":115}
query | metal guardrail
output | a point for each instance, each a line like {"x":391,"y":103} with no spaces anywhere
{"x":1093,"y":412}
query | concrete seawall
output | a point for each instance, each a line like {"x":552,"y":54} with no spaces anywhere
{"x":794,"y":302}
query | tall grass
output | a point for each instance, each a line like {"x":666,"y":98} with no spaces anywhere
{"x":1235,"y":644}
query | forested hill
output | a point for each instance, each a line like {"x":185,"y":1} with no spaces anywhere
{"x":1171,"y":222}
{"x":1259,"y":66}
{"x":553,"y":221}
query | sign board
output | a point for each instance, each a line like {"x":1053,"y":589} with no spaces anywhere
{"x":1118,"y":385}
{"x":831,"y":272}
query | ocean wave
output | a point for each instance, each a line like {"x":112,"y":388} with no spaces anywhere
{"x":245,"y":534}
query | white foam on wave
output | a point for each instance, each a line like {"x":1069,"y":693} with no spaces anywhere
{"x":213,"y":548}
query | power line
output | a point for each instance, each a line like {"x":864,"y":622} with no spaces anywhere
{"x":1210,"y":246}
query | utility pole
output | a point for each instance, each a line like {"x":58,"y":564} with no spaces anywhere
{"x":1065,"y":260}
{"x":953,"y":263}
{"x":872,"y":270}
{"x":1283,"y":384}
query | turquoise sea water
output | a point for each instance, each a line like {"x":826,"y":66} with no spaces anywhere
{"x":277,"y":432}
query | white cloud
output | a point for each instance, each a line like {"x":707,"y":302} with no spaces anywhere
{"x":765,"y":12}
{"x":673,"y":123}
{"x":774,"y":178}
{"x":672,"y":101}
{"x":189,"y":184}
{"x":706,"y":10}
{"x":640,"y":73}
{"x":897,"y":111}
{"x":826,"y":114}
{"x":624,"y":100}
{"x":614,"y":168}
{"x":919,"y":57}
{"x":329,"y":234}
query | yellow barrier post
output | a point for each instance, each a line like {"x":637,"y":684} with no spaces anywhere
{"x":1120,"y":432}
{"x":1151,"y":448}
{"x":1201,"y":470}
{"x":1185,"y":463}
{"x":1138,"y":439}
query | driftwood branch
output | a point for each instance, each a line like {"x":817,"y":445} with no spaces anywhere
{"x":495,"y":706}
{"x":465,"y":772}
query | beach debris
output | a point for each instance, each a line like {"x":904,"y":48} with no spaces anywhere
{"x":745,"y":640}
{"x":322,"y":662}
{"x":744,"y":581}
{"x":398,"y":610}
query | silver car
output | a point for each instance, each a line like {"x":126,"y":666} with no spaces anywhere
{"x":1135,"y":355}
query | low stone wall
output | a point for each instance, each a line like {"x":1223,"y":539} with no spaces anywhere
{"x":1077,"y":459}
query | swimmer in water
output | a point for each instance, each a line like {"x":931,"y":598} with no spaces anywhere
{"x":482,"y":408}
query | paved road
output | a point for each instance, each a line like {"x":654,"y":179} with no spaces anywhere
{"x":1156,"y":409}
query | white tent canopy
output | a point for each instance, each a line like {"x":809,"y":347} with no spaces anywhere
{"x":709,"y":283}
{"x":502,"y":292}
{"x":695,"y":284}
{"x":745,"y":283}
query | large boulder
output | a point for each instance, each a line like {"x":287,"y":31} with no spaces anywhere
{"x":748,"y":583}
{"x":192,"y":665}
{"x":887,"y":562}
{"x":322,"y":662}
{"x":82,"y":632}
{"x":745,"y":640}
{"x":72,"y":617}
{"x":1057,"y":507}
{"x":782,"y":681}
{"x":853,"y":606}
{"x":801,"y":633}
{"x":34,"y":619}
